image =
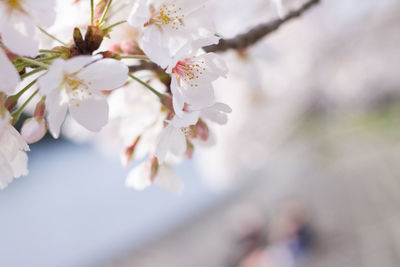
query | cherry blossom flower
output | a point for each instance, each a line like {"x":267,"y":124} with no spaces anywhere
{"x":149,"y":172}
{"x":180,"y":131}
{"x":9,"y":76}
{"x":192,"y":79}
{"x":18,"y":24}
{"x":76,"y":85}
{"x":173,"y":136}
{"x":13,"y":159}
{"x":167,"y":26}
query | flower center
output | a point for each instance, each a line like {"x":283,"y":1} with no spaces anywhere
{"x":188,"y":131}
{"x":75,"y":88}
{"x":189,"y":71}
{"x":166,"y":15}
{"x":14,"y":5}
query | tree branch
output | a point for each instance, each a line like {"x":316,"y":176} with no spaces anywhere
{"x":255,"y":34}
{"x":240,"y":41}
{"x":146,"y":65}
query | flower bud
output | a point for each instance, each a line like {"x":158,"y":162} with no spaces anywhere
{"x":108,"y":54}
{"x":153,"y":161}
{"x":202,"y":130}
{"x":116,"y":48}
{"x":128,"y":46}
{"x":33,"y":130}
{"x":93,"y":38}
{"x":79,"y":41}
{"x":40,"y":108}
{"x":127,"y":154}
{"x":189,"y":149}
{"x":11,"y":102}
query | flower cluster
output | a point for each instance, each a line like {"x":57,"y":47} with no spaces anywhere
{"x":158,"y":116}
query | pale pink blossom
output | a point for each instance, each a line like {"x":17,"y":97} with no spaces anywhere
{"x":150,"y":172}
{"x":76,"y":85}
{"x":168,"y":25}
{"x":13,"y":158}
{"x":173,"y":137}
{"x":192,"y":81}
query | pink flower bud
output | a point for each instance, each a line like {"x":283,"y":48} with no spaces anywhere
{"x":128,"y":46}
{"x":189,"y":149}
{"x":33,"y":130}
{"x":127,"y":155}
{"x":40,"y":108}
{"x":11,"y":102}
{"x":116,"y":48}
{"x":199,"y":131}
{"x":202,"y":130}
{"x":153,"y":162}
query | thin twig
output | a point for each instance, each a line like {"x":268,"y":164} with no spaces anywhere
{"x":52,"y":36}
{"x":255,"y":34}
{"x":154,"y":91}
{"x":146,"y":65}
{"x":240,"y":41}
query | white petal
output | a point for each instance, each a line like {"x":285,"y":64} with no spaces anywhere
{"x":106,"y":74}
{"x":215,"y":64}
{"x":140,"y":14}
{"x":139,"y":177}
{"x":177,"y":98}
{"x":217,"y":113}
{"x":75,"y":64}
{"x":91,"y":113}
{"x":6,"y":173}
{"x":164,"y":143}
{"x":53,"y":78}
{"x":215,"y":116}
{"x":17,"y":138}
{"x":43,"y":11}
{"x":20,"y":164}
{"x":20,"y":35}
{"x":168,"y":180}
{"x":201,"y":96}
{"x":55,"y":119}
{"x":205,"y":41}
{"x":11,"y":142}
{"x":189,"y":6}
{"x":178,"y":142}
{"x":186,"y":119}
{"x":9,"y":76}
{"x":154,"y":44}
{"x":57,"y":110}
{"x":222,"y":107}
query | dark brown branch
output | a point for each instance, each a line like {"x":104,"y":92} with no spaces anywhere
{"x":240,"y":41}
{"x":254,"y":35}
{"x":146,"y":65}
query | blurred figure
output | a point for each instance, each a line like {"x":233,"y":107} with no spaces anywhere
{"x":249,"y":234}
{"x":290,"y":237}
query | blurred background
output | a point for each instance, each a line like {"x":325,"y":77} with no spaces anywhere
{"x":306,"y":172}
